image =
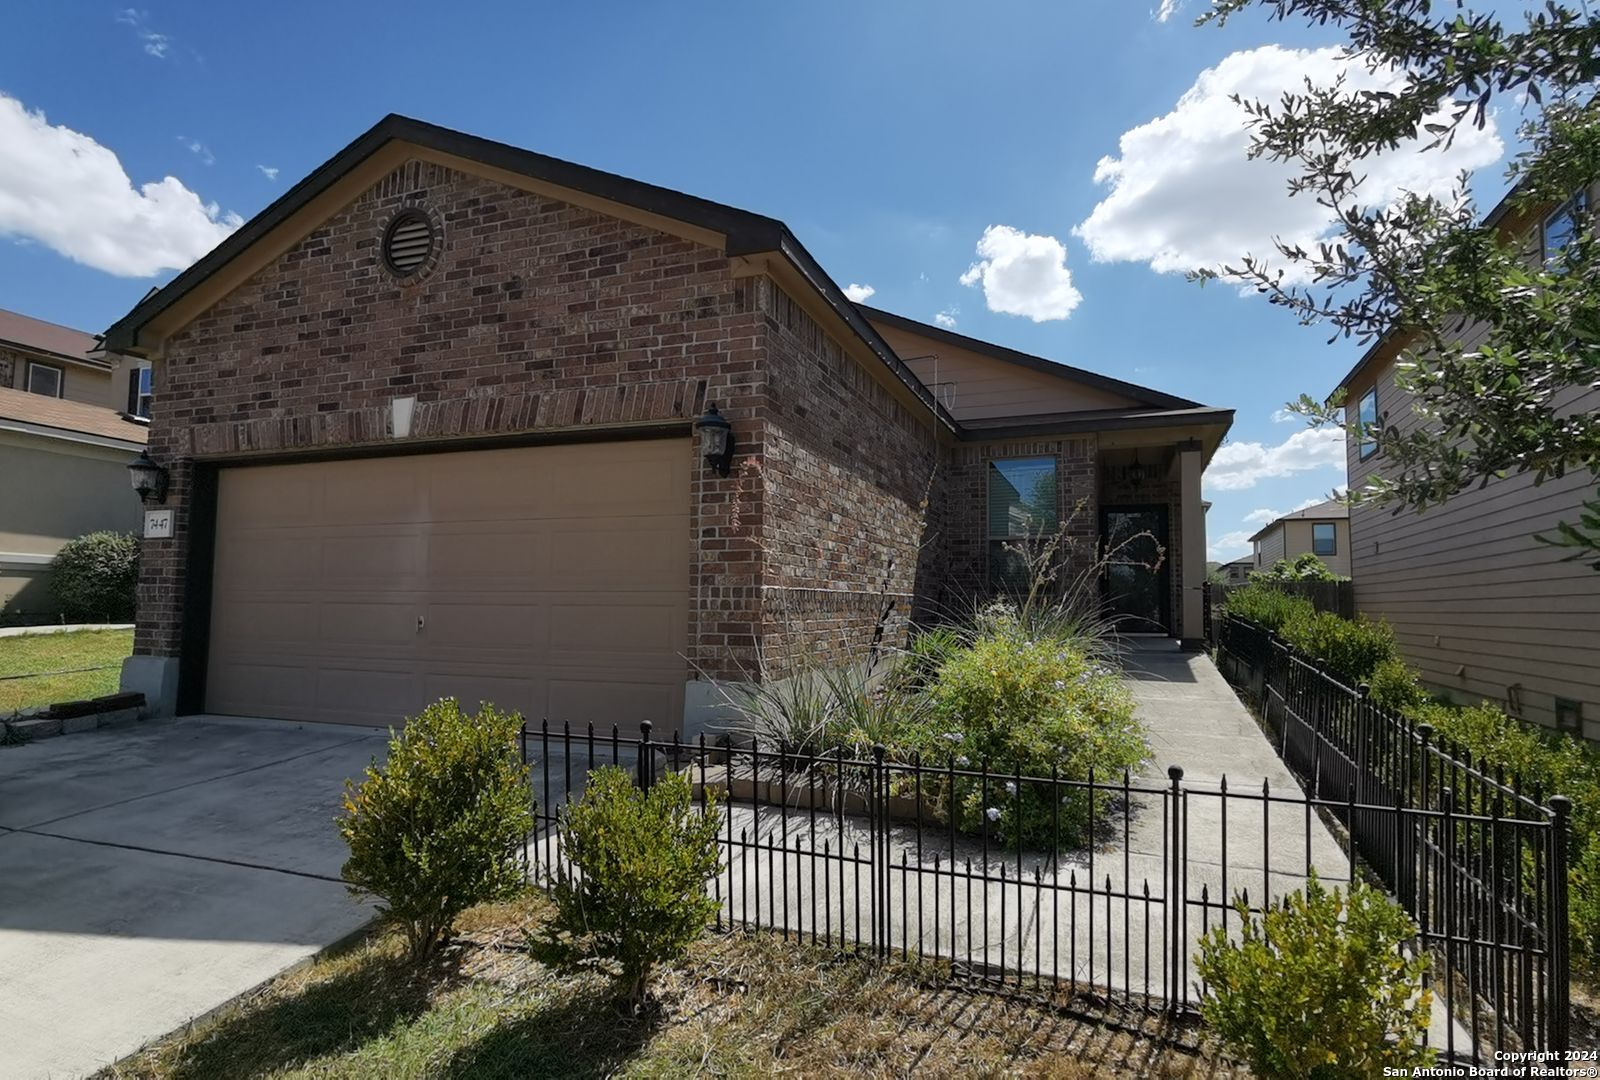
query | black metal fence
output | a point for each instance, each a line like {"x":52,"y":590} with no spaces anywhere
{"x":1480,"y":863}
{"x":1037,"y":884}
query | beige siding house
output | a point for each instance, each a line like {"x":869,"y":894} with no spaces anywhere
{"x":1480,"y":608}
{"x":1322,"y":530}
{"x":63,"y":473}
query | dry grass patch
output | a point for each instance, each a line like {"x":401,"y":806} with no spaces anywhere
{"x":742,"y":1005}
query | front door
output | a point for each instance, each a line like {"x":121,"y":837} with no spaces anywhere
{"x":1137,"y":571}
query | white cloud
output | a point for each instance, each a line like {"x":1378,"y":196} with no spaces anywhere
{"x":1229,"y":546}
{"x":1183,"y":195}
{"x":1168,"y":9}
{"x":1266,"y":517}
{"x":156,"y":45}
{"x":269,"y":171}
{"x":1241,"y":465}
{"x":1284,"y":416}
{"x":198,"y":149}
{"x":947,"y":318}
{"x":64,"y":190}
{"x":858,"y":294}
{"x":1023,"y":274}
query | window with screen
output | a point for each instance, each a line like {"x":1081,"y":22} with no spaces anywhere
{"x":1022,"y":511}
{"x":1562,"y":226}
{"x":45,"y":379}
{"x":1323,"y":539}
{"x":140,"y":394}
{"x":1367,"y":417}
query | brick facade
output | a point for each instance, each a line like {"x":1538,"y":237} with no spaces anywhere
{"x":966,"y":575}
{"x":848,"y":472}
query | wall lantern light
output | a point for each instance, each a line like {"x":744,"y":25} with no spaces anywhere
{"x":716,"y":440}
{"x":1134,"y":474}
{"x":149,"y":479}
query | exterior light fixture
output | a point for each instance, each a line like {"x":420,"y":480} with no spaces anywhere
{"x":1135,"y":472}
{"x":149,"y":479}
{"x":716,"y":440}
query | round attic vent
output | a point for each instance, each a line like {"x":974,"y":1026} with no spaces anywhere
{"x":408,"y":242}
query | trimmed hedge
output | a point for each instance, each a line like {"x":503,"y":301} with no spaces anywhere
{"x":1553,"y":763}
{"x":96,"y":577}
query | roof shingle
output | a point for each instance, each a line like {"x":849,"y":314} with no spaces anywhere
{"x":75,"y":416}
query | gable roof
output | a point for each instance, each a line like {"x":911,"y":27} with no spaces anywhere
{"x":746,"y":233}
{"x":1141,"y":394}
{"x":1328,"y":510}
{"x":61,"y":415}
{"x":36,"y":335}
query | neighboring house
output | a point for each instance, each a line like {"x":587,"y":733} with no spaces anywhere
{"x":430,"y":425}
{"x":1478,"y":605}
{"x":63,"y":473}
{"x":59,"y":362}
{"x":1323,"y":530}
{"x":1238,"y":571}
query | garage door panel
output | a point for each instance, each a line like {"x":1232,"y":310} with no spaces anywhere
{"x":389,"y":624}
{"x":492,"y":624}
{"x":467,"y":557}
{"x":618,"y":554}
{"x":259,"y":622}
{"x":270,"y":498}
{"x":371,"y":492}
{"x":257,"y":689}
{"x":549,"y":580}
{"x":278,"y":556}
{"x":472,"y":689}
{"x":630,"y":628}
{"x":382,"y":555}
{"x":604,"y":702}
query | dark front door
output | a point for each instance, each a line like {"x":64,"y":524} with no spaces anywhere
{"x":1134,"y":539}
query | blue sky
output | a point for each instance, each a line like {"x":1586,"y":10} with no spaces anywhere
{"x":895,"y":138}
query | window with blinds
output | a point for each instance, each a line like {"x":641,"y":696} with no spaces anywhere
{"x":1022,"y":510}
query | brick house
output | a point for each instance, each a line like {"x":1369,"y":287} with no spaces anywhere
{"x":429,"y":423}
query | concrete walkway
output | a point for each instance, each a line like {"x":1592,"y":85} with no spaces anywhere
{"x":149,"y":874}
{"x":27,"y":631}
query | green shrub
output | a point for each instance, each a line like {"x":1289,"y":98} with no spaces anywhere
{"x":1266,"y":606}
{"x":1319,"y":986}
{"x":1351,"y":648}
{"x":440,"y":825}
{"x":1022,"y":703}
{"x":96,"y":577}
{"x":1303,"y":567}
{"x":1549,"y":763}
{"x":636,"y":896}
{"x":1395,"y":686}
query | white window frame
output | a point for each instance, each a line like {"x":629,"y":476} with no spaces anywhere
{"x":58,"y":372}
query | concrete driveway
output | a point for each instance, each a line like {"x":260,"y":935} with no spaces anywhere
{"x":151,"y":873}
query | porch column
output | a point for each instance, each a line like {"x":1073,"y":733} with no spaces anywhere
{"x":1192,"y":552}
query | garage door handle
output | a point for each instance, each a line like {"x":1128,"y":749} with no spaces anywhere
{"x":419,"y":624}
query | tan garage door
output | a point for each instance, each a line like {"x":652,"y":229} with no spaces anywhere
{"x":552,"y":580}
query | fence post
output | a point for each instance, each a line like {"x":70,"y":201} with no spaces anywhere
{"x":1177,"y":917}
{"x":647,"y":758}
{"x":1560,"y":960}
{"x":878,"y":822}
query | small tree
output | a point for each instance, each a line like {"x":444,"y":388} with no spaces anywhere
{"x":96,"y":576}
{"x":438,"y":827}
{"x":1303,"y":567}
{"x":635,"y":895}
{"x":1319,"y":987}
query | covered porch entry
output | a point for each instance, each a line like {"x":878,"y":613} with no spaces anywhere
{"x":1152,"y":534}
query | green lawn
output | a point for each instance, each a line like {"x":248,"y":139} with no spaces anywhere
{"x":35,"y":653}
{"x":741,"y":1005}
